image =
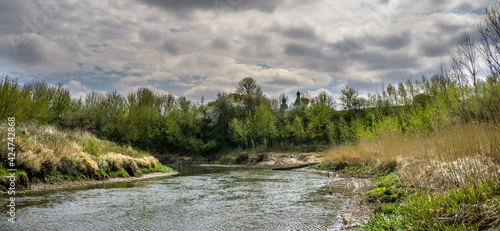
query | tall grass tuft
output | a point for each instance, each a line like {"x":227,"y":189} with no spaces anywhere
{"x":45,"y":150}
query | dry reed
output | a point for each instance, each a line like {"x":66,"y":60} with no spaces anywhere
{"x":460,"y":155}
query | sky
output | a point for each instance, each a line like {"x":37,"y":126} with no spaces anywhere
{"x":196,"y":48}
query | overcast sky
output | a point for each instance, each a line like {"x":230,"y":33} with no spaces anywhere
{"x":196,"y":48}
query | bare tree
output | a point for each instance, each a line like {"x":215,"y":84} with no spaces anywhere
{"x":489,"y":37}
{"x":464,"y":60}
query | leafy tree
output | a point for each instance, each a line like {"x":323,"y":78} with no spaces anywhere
{"x":239,"y":131}
{"x":349,"y":97}
{"x":251,"y":92}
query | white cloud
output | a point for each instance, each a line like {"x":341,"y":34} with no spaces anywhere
{"x":77,"y":89}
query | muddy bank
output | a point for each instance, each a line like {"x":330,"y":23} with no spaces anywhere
{"x":69,"y":184}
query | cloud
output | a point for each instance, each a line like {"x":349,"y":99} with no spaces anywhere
{"x":305,"y":33}
{"x":196,"y":48}
{"x":77,"y":89}
{"x":186,"y":8}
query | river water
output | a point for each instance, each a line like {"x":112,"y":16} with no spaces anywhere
{"x":199,"y":198}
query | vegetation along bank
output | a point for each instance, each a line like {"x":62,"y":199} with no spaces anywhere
{"x":51,"y":158}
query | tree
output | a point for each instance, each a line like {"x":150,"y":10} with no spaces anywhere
{"x":464,"y":60}
{"x":489,"y":36}
{"x":349,"y":97}
{"x":325,"y":100}
{"x":251,"y":92}
{"x":239,"y":131}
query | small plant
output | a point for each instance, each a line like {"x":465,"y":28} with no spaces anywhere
{"x":79,"y":175}
{"x":121,"y":172}
{"x":68,"y":178}
{"x":103,"y":173}
{"x":386,"y":181}
{"x":160,"y":168}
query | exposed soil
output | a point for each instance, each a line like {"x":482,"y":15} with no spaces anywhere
{"x":69,"y":184}
{"x":283,"y":160}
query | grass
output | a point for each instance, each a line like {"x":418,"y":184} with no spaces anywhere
{"x":445,"y":180}
{"x":48,"y":154}
{"x":465,"y":208}
{"x":388,"y":190}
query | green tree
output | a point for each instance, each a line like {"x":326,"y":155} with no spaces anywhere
{"x":239,"y":131}
{"x":250,"y":92}
{"x":349,"y":97}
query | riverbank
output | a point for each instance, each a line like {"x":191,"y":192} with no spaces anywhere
{"x":50,"y":158}
{"x":79,"y":183}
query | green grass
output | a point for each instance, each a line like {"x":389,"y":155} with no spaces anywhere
{"x":103,"y":173}
{"x":160,"y":168}
{"x":388,"y":190}
{"x":4,"y":172}
{"x":468,"y":208}
{"x":122,"y":173}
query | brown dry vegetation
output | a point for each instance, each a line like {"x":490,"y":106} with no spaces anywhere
{"x":44,"y":150}
{"x":457,"y":156}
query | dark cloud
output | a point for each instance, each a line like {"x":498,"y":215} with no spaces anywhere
{"x":11,"y":16}
{"x":171,"y":47}
{"x":186,"y":6}
{"x":434,"y":49}
{"x":33,"y":52}
{"x":295,"y":49}
{"x":394,"y":41}
{"x":446,"y":27}
{"x":349,"y":45}
{"x":374,"y":61}
{"x":220,"y":44}
{"x":150,"y":35}
{"x":306,"y":33}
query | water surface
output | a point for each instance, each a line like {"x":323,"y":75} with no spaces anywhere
{"x":199,"y":198}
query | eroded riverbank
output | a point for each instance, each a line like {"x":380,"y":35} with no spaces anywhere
{"x":88,"y":182}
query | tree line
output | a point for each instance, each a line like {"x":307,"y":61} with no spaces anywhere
{"x":162,"y":123}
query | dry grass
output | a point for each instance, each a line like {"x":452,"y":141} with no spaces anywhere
{"x":45,"y":149}
{"x":458,"y":156}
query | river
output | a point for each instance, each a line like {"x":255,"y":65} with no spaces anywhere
{"x":198,"y":198}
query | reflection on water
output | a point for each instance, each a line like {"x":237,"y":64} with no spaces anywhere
{"x":199,"y":198}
